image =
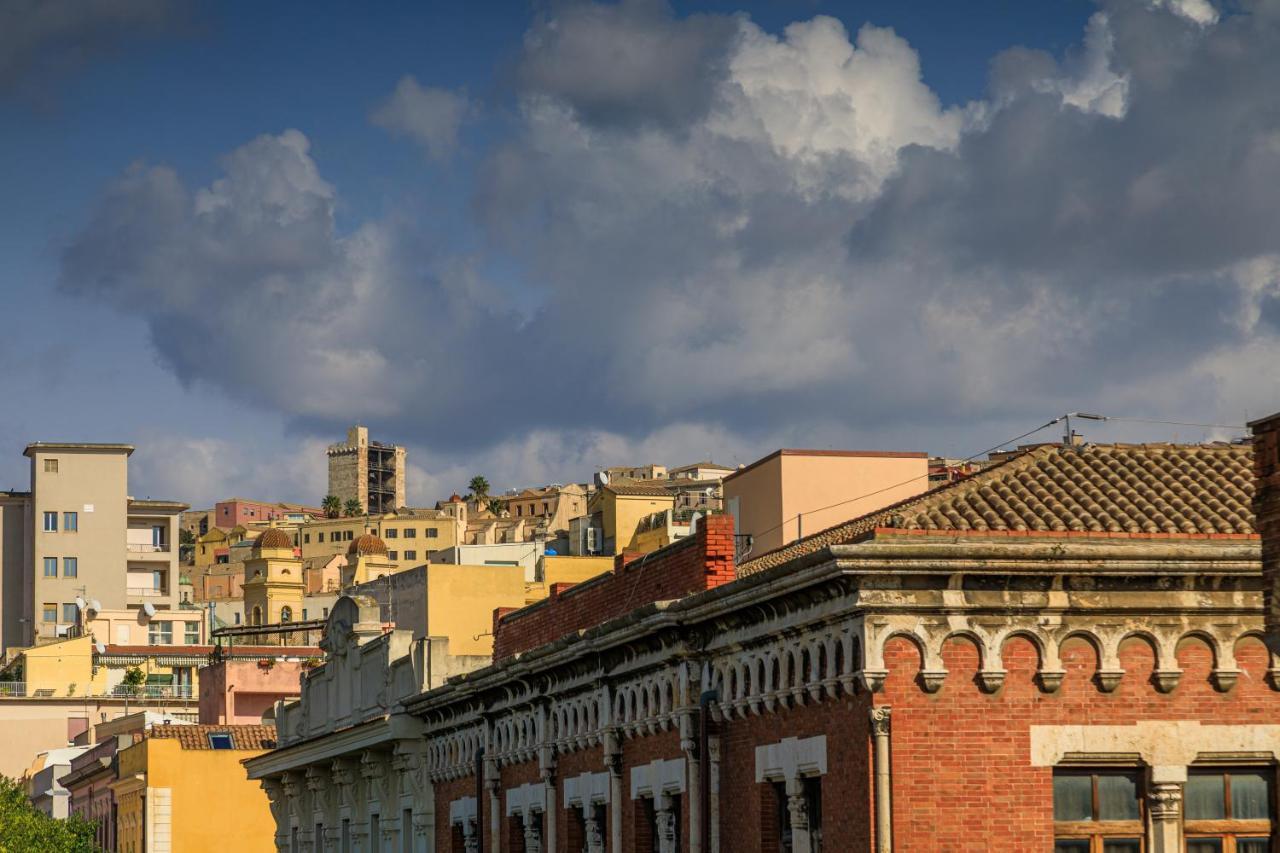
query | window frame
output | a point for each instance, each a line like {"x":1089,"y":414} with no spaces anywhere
{"x":71,"y":567}
{"x":50,"y":562}
{"x":70,"y":522}
{"x":1096,"y":831}
{"x":1228,"y":829}
{"x":50,"y":521}
{"x":221,"y":738}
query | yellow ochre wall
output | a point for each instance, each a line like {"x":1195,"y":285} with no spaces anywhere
{"x":461,"y":601}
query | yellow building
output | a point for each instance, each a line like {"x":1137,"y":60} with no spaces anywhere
{"x":163,"y":795}
{"x":366,"y":561}
{"x":76,"y":667}
{"x":411,"y":535}
{"x":617,"y":511}
{"x":273,"y":585}
{"x":214,"y":547}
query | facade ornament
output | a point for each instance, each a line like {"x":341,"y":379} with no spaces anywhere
{"x":880,"y":720}
{"x":277,"y":800}
{"x":1109,"y":679}
{"x":798,"y":809}
{"x":1050,"y":679}
{"x":344,"y":780}
{"x":931,"y":679}
{"x":1166,"y":679}
{"x":532,"y":833}
{"x":1224,"y":679}
{"x":594,"y":834}
{"x":991,"y":680}
{"x":666,"y":821}
{"x":1165,"y":801}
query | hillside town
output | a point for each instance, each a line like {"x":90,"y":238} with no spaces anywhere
{"x":817,"y":650}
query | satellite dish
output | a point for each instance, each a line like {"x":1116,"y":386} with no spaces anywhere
{"x":149,"y":609}
{"x":100,"y":648}
{"x":95,"y":605}
{"x":602,"y":478}
{"x":81,"y":604}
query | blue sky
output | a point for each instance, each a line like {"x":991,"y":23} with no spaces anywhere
{"x":527,"y":240}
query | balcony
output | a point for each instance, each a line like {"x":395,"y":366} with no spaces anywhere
{"x":19,"y":690}
{"x":147,"y":592}
{"x":148,"y":548}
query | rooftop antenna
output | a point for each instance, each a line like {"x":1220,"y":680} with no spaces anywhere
{"x":1068,"y":436}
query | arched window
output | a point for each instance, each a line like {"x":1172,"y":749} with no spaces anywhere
{"x":286,"y":614}
{"x":257,"y":615}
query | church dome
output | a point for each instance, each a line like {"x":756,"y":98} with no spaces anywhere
{"x":366,"y":545}
{"x":273,"y":537}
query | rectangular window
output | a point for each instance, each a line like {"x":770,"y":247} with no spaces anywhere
{"x":392,"y":533}
{"x":237,"y":618}
{"x":306,"y":539}
{"x":326,"y":613}
{"x":69,"y":614}
{"x":50,"y":522}
{"x":1097,"y":812}
{"x":375,"y":830}
{"x":160,"y":633}
{"x":70,"y":522}
{"x":346,"y":835}
{"x":191,"y":633}
{"x":51,"y":567}
{"x":431,"y":533}
{"x":220,"y":740}
{"x":49,"y":613}
{"x":70,"y":567}
{"x":411,"y":555}
{"x":349,"y":535}
{"x":393,"y":555}
{"x":1228,"y":809}
{"x":411,"y":533}
{"x":51,"y":466}
{"x":406,"y":831}
{"x":304,"y":614}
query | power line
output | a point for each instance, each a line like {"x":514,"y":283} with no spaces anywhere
{"x":1239,"y":427}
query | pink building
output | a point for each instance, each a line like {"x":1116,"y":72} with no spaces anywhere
{"x":233,"y":511}
{"x":241,"y":691}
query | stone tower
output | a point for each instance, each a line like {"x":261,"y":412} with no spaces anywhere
{"x":371,"y":472}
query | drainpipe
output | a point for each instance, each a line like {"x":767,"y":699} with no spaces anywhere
{"x":704,"y":766}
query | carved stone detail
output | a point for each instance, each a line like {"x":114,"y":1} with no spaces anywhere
{"x":1164,"y":801}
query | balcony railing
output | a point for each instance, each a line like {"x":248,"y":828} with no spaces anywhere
{"x":148,"y":548}
{"x":19,"y":690}
{"x":147,"y":592}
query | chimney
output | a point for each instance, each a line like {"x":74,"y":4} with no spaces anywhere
{"x":1266,"y":511}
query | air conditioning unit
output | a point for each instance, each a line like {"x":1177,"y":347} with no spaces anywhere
{"x":593,"y":540}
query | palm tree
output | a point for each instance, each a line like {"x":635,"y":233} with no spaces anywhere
{"x":332,"y":506}
{"x":479,"y":488}
{"x":352,"y":507}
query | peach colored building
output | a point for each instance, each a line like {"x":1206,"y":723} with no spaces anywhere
{"x":793,"y":493}
{"x":236,"y":692}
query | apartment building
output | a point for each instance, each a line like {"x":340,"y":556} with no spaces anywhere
{"x":412,"y":535}
{"x":369,"y":471}
{"x":78,"y":538}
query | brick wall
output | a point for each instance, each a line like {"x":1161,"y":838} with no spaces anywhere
{"x":694,"y":564}
{"x":1266,"y":509}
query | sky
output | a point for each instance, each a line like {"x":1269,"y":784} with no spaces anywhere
{"x":532,"y":240}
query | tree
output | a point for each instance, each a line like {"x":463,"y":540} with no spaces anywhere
{"x":332,"y":506}
{"x":24,"y":829}
{"x":351,"y":508}
{"x":479,"y":488}
{"x":134,"y":678}
{"x":495,"y":505}
{"x":186,"y":537}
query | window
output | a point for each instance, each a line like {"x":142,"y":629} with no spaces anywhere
{"x":1096,"y":812}
{"x":326,"y":613}
{"x":220,"y":740}
{"x":411,"y":533}
{"x":348,"y":535}
{"x":51,"y":466}
{"x":160,"y":633}
{"x":70,"y":567}
{"x":69,"y":614}
{"x":306,"y":539}
{"x":51,"y":567}
{"x":431,"y":533}
{"x":392,"y":533}
{"x":237,"y":618}
{"x":50,"y":522}
{"x":411,"y":555}
{"x":406,"y":831}
{"x":304,"y":614}
{"x":286,"y":614}
{"x":191,"y":633}
{"x":70,"y":522}
{"x":49,"y":613}
{"x":393,"y":555}
{"x":1228,"y":811}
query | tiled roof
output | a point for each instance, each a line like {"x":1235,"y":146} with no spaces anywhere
{"x":1099,"y":490}
{"x":197,"y":737}
{"x":650,"y":491}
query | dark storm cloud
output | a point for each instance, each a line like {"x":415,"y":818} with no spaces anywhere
{"x":42,"y":40}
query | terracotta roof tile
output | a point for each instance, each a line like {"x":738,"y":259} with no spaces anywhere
{"x":197,"y":737}
{"x":629,"y":489}
{"x":1101,"y":490}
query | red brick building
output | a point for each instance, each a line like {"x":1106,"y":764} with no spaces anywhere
{"x":1061,"y":652}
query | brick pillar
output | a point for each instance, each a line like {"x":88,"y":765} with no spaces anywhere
{"x":1266,"y":510}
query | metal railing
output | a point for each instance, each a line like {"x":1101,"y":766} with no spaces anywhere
{"x":20,"y":690}
{"x":148,"y":547}
{"x":147,"y":592}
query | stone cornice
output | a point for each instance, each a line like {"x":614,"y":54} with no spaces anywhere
{"x":330,"y":745}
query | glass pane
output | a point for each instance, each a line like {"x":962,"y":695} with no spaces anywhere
{"x":1253,"y":845}
{"x":1204,"y":797}
{"x":1122,"y":845}
{"x":1204,"y":845}
{"x":1077,"y":846}
{"x":1250,"y":799}
{"x":1117,"y":798}
{"x":1072,"y":798}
